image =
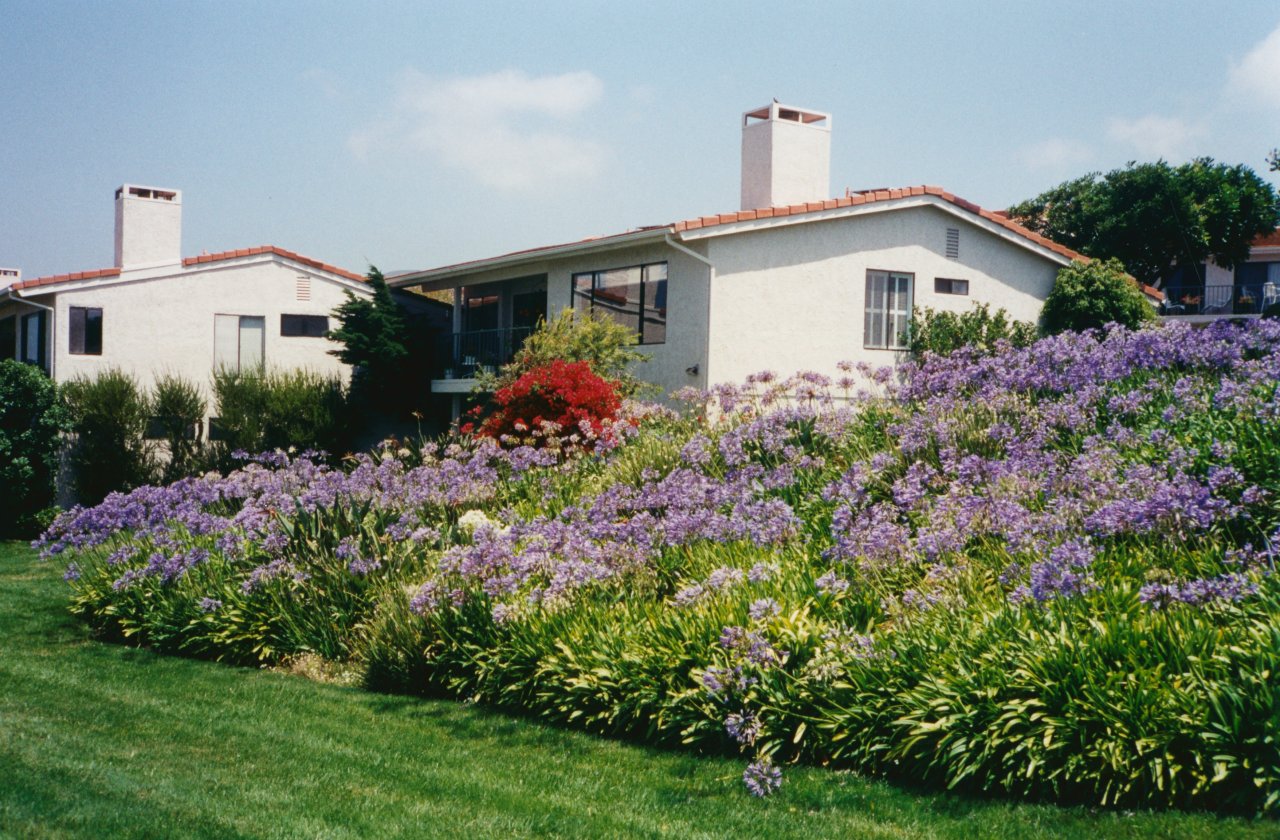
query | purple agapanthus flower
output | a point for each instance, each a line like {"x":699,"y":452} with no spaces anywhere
{"x":762,"y":778}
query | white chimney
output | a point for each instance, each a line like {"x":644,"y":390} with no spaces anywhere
{"x":9,"y":276}
{"x":148,"y":226}
{"x":786,"y":156}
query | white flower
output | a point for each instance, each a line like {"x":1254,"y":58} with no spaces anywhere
{"x":474,"y":520}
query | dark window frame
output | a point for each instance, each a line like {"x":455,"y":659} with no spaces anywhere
{"x":9,"y":337}
{"x":947,"y":286}
{"x":660,"y":294}
{"x":84,"y":336}
{"x":41,"y":320}
{"x":303,"y":326}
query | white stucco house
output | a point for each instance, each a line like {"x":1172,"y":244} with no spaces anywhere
{"x":155,"y":312}
{"x":793,"y":280}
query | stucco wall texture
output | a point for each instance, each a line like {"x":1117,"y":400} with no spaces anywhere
{"x":163,"y":322}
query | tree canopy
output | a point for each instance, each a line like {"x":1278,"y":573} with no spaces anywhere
{"x":1153,"y":215}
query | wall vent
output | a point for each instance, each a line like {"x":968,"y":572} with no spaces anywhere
{"x":302,"y":288}
{"x":953,"y":243}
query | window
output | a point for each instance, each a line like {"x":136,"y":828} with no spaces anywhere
{"x":237,"y":342}
{"x":9,"y":337}
{"x":945,"y":286}
{"x":480,"y":312}
{"x":888,"y":310}
{"x":85,"y":335}
{"x":33,"y":338}
{"x":304,"y":326}
{"x":635,"y":297}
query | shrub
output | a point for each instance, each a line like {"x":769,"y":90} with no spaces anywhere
{"x":943,"y":332}
{"x":109,"y":414}
{"x":562,"y":404}
{"x":178,"y":408}
{"x":258,"y":412}
{"x":1092,"y":295}
{"x":594,"y":338}
{"x":32,"y":420}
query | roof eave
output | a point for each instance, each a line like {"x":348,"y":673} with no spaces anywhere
{"x":586,"y":246}
{"x":880,"y":206}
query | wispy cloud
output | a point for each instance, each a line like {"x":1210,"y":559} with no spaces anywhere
{"x":1055,"y":153}
{"x":1256,"y":77}
{"x":1155,"y":136}
{"x":507,"y":129}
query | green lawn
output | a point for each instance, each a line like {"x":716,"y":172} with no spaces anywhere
{"x":106,"y":741}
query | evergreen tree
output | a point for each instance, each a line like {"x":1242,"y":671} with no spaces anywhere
{"x":372,"y":333}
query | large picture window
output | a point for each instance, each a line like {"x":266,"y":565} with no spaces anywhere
{"x":85,"y":336}
{"x":888,"y":310}
{"x":635,"y":297}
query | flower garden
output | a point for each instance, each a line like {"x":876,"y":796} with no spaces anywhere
{"x":1043,"y":572}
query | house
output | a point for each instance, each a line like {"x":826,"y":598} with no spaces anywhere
{"x":793,"y":280}
{"x":155,"y":312}
{"x":1207,"y":291}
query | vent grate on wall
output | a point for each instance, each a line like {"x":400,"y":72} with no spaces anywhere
{"x":302,"y":288}
{"x":953,"y":243}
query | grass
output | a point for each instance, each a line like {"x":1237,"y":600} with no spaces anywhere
{"x":103,"y":740}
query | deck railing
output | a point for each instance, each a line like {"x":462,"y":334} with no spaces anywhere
{"x":464,"y":353}
{"x":1217,"y":299}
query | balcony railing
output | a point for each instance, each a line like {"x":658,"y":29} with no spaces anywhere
{"x":1218,"y":299}
{"x":464,"y":353}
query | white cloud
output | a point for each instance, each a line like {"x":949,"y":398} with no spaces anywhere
{"x":1154,"y":136}
{"x":507,"y":129}
{"x":1256,"y":77}
{"x":1056,"y":153}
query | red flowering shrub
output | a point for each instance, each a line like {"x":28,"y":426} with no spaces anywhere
{"x":562,"y":404}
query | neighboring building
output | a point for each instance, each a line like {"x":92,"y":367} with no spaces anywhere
{"x":1206,"y":291}
{"x":155,"y":312}
{"x":793,"y":281}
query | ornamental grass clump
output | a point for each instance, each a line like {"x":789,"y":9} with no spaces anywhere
{"x":1044,"y":572}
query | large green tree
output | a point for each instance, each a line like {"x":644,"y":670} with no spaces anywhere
{"x":1153,"y":215}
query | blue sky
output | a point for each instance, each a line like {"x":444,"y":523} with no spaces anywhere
{"x":411,"y":135}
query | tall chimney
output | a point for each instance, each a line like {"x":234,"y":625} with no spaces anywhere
{"x":786,"y":156}
{"x":148,"y":226}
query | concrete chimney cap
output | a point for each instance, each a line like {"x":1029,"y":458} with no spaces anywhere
{"x":141,"y":191}
{"x":775,"y":110}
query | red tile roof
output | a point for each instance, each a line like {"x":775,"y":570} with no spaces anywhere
{"x":1267,"y":240}
{"x":271,"y":249}
{"x":189,"y":261}
{"x":63,"y":278}
{"x":852,"y":200}
{"x":871,"y":197}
